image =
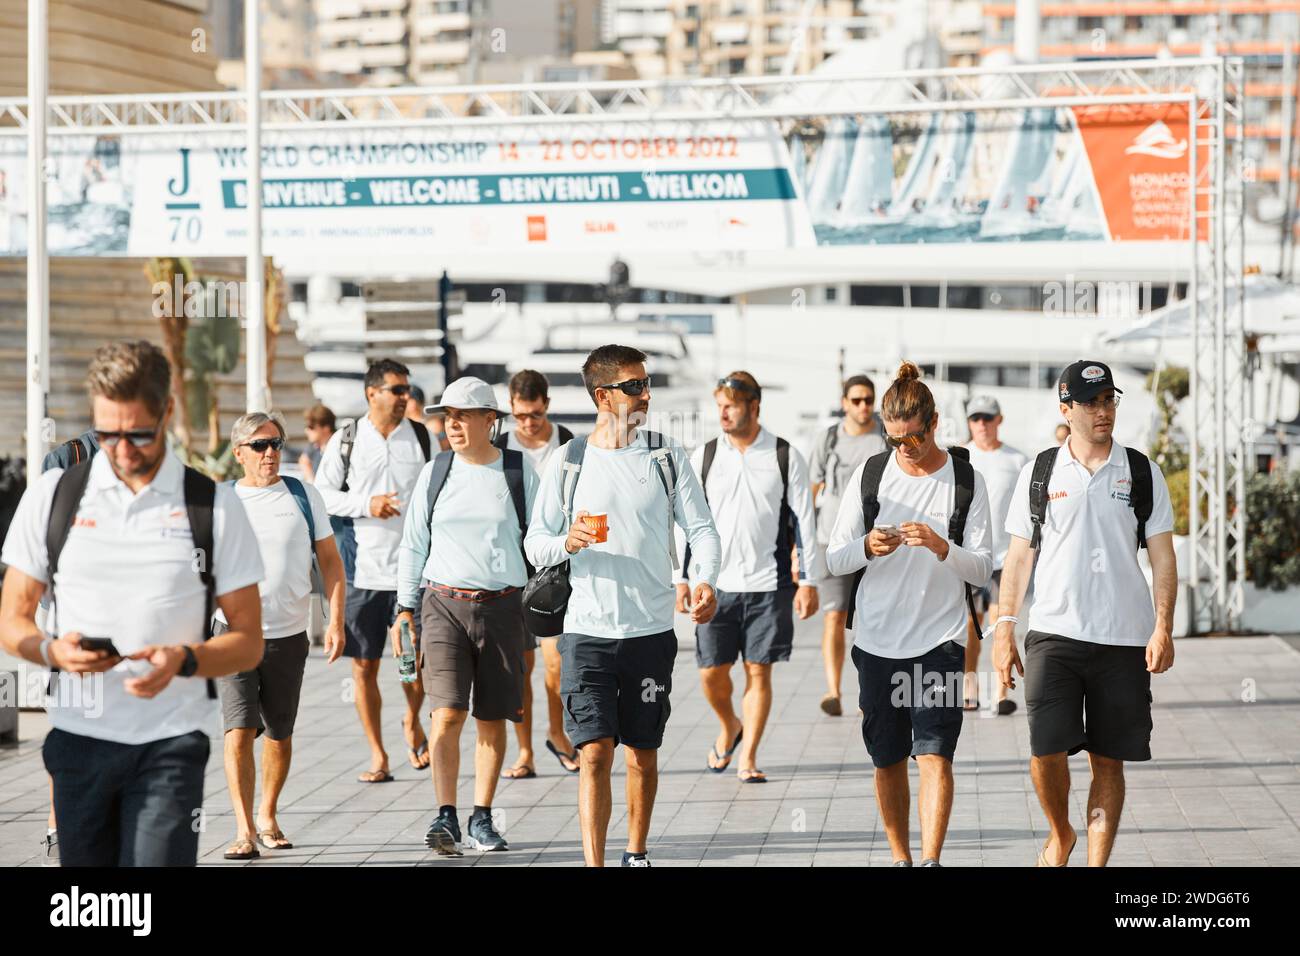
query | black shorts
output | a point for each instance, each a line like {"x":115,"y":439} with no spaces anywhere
{"x":617,"y":688}
{"x":756,"y":624}
{"x":990,"y":593}
{"x":367,"y":617}
{"x":266,"y":698}
{"x":1080,"y":695}
{"x":911,"y":706}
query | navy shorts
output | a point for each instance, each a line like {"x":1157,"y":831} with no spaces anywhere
{"x":1085,"y":696}
{"x":367,"y":617}
{"x":617,"y":687}
{"x":911,"y":706}
{"x":758,"y":625}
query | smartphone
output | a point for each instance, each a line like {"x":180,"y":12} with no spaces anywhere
{"x":888,"y":530}
{"x":99,"y":644}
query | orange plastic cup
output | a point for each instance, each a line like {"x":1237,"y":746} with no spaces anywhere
{"x":598,"y":525}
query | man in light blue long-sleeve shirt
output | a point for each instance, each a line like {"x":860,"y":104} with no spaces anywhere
{"x":618,"y":647}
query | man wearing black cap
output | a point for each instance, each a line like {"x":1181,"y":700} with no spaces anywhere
{"x":1094,"y":638}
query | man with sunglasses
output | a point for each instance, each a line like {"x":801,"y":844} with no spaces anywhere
{"x":292,"y":526}
{"x":1094,"y":637}
{"x":371,"y":482}
{"x":618,"y":645}
{"x":129,"y":742}
{"x":757,"y":488}
{"x":1000,"y":465}
{"x":536,"y":437}
{"x":842,"y":448}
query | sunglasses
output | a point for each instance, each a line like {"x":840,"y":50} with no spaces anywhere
{"x":399,"y":390}
{"x":633,"y":386}
{"x":739,"y":385}
{"x":139,"y":437}
{"x":529,"y":416}
{"x":980,"y":417}
{"x":914,"y":440}
{"x":260,"y":445}
{"x":864,"y":400}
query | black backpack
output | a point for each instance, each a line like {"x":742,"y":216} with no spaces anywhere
{"x":964,"y":475}
{"x":785,"y":525}
{"x":502,"y":440}
{"x":200,"y":495}
{"x":546,"y":596}
{"x":1141,"y":493}
{"x":512,"y":463}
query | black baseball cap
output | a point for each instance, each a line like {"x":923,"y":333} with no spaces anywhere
{"x":1085,"y":380}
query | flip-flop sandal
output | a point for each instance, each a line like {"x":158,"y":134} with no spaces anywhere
{"x":237,"y":851}
{"x":271,"y":839}
{"x":561,"y":756}
{"x":830,"y":706}
{"x":752,"y":776}
{"x":511,"y":774}
{"x":1006,"y":707}
{"x":417,"y":753}
{"x":713,"y":751}
{"x":375,"y":776}
{"x":1042,"y":858}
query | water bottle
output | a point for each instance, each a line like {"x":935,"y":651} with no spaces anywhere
{"x":406,"y":663}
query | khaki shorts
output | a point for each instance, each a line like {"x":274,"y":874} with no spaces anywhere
{"x":474,"y":648}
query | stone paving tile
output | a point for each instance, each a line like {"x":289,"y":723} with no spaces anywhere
{"x":1223,"y":788}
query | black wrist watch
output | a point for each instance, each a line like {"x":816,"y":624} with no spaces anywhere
{"x":190,"y":664}
{"x":405,"y":610}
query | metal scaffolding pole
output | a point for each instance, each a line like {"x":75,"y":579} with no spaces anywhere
{"x":38,"y":260}
{"x":255,"y":299}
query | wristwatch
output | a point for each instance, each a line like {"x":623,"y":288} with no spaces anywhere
{"x":190,"y":664}
{"x":405,"y":610}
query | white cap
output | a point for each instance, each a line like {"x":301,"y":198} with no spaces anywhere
{"x":466,"y":393}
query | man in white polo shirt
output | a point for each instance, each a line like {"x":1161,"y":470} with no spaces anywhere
{"x":1094,"y":638}
{"x":292,"y":525}
{"x":367,"y":473}
{"x":136,"y":549}
{"x":461,"y":567}
{"x":1000,"y":465}
{"x":618,"y":646}
{"x":757,"y":488}
{"x":924,"y":543}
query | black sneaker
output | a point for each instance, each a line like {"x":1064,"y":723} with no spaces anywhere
{"x":635,"y":859}
{"x":483,"y":835}
{"x":51,"y":847}
{"x":443,"y":835}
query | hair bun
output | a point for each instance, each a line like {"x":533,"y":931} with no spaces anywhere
{"x":907,"y":372}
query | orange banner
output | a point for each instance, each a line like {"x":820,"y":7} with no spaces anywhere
{"x":1140,"y":163}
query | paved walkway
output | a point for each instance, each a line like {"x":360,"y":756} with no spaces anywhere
{"x":1223,"y":790}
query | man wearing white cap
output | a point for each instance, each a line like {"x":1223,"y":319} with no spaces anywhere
{"x":461,"y":567}
{"x":1000,"y":465}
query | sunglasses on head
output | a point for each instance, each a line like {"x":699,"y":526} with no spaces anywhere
{"x":633,"y":386}
{"x":739,"y":385}
{"x":260,"y":445}
{"x":912,"y":440}
{"x":863,"y":400}
{"x":980,"y":417}
{"x":399,"y":390}
{"x":139,"y":437}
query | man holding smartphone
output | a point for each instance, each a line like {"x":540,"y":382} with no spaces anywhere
{"x":129,"y":742}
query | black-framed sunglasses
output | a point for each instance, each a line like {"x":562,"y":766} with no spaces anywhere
{"x":863,"y":400}
{"x":260,"y":445}
{"x":139,"y":437}
{"x":911,"y":440}
{"x":633,"y":386}
{"x":740,"y":385}
{"x":401,"y":391}
{"x":980,"y":417}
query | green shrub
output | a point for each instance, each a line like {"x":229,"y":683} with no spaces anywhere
{"x":1273,"y":529}
{"x":1179,"y":497}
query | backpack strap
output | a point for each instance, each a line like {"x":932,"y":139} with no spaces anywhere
{"x":872,"y":472}
{"x":964,"y":477}
{"x":200,"y":498}
{"x":574,"y":452}
{"x":566,"y":435}
{"x":512,"y":463}
{"x":63,"y":510}
{"x":710,"y":452}
{"x":1038,"y":482}
{"x":786,"y":533}
{"x":502,"y":441}
{"x":304,"y":505}
{"x":349,"y":439}
{"x":438,"y":477}
{"x":1141,"y":496}
{"x":422,"y":436}
{"x":663,"y":458}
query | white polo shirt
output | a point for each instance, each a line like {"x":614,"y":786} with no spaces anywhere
{"x":744,"y":493}
{"x":909,"y":602}
{"x":379,"y":466}
{"x":1088,"y":584}
{"x":127,"y":573}
{"x":1001,"y":470}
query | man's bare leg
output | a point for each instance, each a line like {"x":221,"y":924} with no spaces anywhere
{"x":594,"y":797}
{"x":365,"y":678}
{"x":489,"y":755}
{"x":642,"y":785}
{"x":1105,"y":804}
{"x":241,"y":777}
{"x":1051,"y":776}
{"x":717,"y":687}
{"x":894,"y":797}
{"x":756,"y":706}
{"x":554,"y":703}
{"x":833,"y":649}
{"x":524,"y":729}
{"x":934,"y":802}
{"x":970,"y":683}
{"x":276,"y":756}
{"x":445,"y":724}
{"x":411,"y":728}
